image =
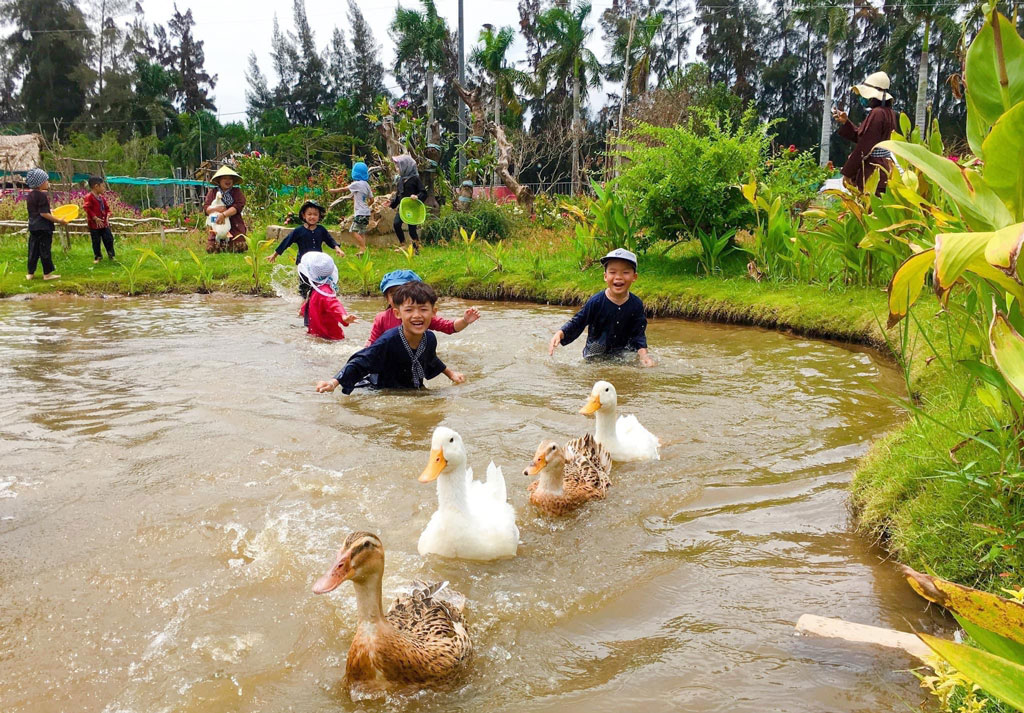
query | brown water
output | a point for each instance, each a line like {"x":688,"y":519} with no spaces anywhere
{"x":171,"y":487}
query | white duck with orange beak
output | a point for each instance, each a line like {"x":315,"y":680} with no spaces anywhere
{"x":474,"y":519}
{"x":624,"y":438}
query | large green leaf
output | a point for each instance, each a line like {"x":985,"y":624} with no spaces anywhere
{"x":981,"y":207}
{"x":982,"y":74}
{"x":1008,"y":350}
{"x":1004,"y":159}
{"x":999,"y":678}
{"x":989,"y":611}
{"x":992,"y":642}
{"x":906,"y":284}
{"x":954,"y":253}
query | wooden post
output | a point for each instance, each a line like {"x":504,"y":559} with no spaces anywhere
{"x":163,"y":234}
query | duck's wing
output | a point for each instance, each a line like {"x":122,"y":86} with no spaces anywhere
{"x":495,"y":484}
{"x":632,"y":433}
{"x":432,"y":642}
{"x":587,"y":462}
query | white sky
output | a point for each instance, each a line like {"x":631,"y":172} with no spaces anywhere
{"x":227,"y":42}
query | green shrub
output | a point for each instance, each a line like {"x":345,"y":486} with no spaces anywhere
{"x":794,"y":177}
{"x":488,"y":220}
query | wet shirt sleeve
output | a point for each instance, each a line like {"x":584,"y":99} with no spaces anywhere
{"x":638,"y":327}
{"x":325,"y":237}
{"x":445,"y":326}
{"x":288,"y":240}
{"x":364,"y":362}
{"x":432,"y":364}
{"x":579,"y":321}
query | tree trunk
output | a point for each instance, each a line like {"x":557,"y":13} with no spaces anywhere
{"x":575,"y":179}
{"x":497,"y":151}
{"x":430,"y":96}
{"x":103,"y":20}
{"x":473,"y":100}
{"x":826,"y":108}
{"x":625,"y":88}
{"x":920,"y":108}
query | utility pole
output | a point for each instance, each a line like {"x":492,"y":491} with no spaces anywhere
{"x":463,"y":118}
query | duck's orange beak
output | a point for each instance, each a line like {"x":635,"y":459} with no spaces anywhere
{"x":538,"y":464}
{"x":434,"y":467}
{"x":592,"y":405}
{"x":337,"y":574}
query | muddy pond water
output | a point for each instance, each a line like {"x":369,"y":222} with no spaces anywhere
{"x":171,"y":487}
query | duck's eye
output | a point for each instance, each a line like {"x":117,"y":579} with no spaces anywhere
{"x":452,"y":439}
{"x":606,"y":389}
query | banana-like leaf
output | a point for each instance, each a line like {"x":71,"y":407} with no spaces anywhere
{"x":999,"y":678}
{"x":906,"y":284}
{"x":980,"y":205}
{"x":954,"y":253}
{"x":982,"y":75}
{"x":1003,"y":249}
{"x":977,"y":128}
{"x":990,"y":641}
{"x":1008,"y":350}
{"x":1004,"y":167}
{"x":982,"y":268}
{"x":989,"y":611}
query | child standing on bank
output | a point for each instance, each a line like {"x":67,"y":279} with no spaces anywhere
{"x":361,"y":195}
{"x":97,"y":212}
{"x":404,"y":357}
{"x":614,"y":318}
{"x":308,"y":237}
{"x":388,"y":319}
{"x":40,"y":224}
{"x":324,"y":313}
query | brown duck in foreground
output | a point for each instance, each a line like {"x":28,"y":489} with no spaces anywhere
{"x":569,"y":477}
{"x":421,"y":640}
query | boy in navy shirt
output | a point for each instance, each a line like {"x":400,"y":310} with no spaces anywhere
{"x":614,"y":318}
{"x":403,"y":357}
{"x":308,"y":237}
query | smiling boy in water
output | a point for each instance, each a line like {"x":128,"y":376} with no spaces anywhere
{"x":404,"y":357}
{"x":614,"y":318}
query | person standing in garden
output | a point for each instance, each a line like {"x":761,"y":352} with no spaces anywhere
{"x":408,"y":185}
{"x":877,"y":126}
{"x":40,"y":224}
{"x":97,"y":212}
{"x":227,"y":201}
{"x":361,"y":195}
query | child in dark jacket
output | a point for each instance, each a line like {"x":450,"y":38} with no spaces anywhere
{"x":310,"y":236}
{"x":40,"y":224}
{"x":97,"y":212}
{"x":324,"y":313}
{"x":404,"y":357}
{"x":408,"y":185}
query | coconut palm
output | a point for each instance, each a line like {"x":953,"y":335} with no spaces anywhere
{"x":489,"y":55}
{"x":642,"y":52}
{"x":830,"y":20}
{"x":566,"y":33}
{"x":924,"y":16}
{"x":421,"y":35}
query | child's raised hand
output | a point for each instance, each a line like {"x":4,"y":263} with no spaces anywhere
{"x":458,"y":377}
{"x":325,"y":387}
{"x":271,"y":257}
{"x":471,"y":315}
{"x":349,"y":319}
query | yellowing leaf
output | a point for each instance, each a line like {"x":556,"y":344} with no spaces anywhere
{"x":749,"y":191}
{"x":1004,"y":247}
{"x":998,"y":677}
{"x":1008,"y":350}
{"x":906,"y":284}
{"x":953,"y":253}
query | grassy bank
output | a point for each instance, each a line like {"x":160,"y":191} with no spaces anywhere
{"x":909,"y":495}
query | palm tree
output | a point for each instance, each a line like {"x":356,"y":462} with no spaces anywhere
{"x":421,"y":35}
{"x":566,"y":33}
{"x":642,"y":52}
{"x":929,"y":15}
{"x":830,"y":19}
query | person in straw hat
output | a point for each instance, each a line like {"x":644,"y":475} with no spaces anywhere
{"x":877,"y":126}
{"x":226,"y":201}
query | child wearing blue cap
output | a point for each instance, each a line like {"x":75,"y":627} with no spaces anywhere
{"x":361,"y":195}
{"x":614,"y":318}
{"x":388,"y":319}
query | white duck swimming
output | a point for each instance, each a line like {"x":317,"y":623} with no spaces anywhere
{"x":624,"y":438}
{"x":473,"y":520}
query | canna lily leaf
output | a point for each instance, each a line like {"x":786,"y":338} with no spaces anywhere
{"x":906,"y":284}
{"x":1004,"y":169}
{"x":749,"y":191}
{"x":999,"y":677}
{"x":1008,"y":350}
{"x":982,"y":269}
{"x":988,"y":640}
{"x":989,"y":611}
{"x":984,"y":94}
{"x":1003,"y":248}
{"x":954,"y":252}
{"x":980,"y":205}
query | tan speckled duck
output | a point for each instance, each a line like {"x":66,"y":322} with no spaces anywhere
{"x":569,"y":477}
{"x":421,"y":640}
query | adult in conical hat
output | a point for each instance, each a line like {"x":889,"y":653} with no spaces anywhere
{"x":226,"y":202}
{"x":878,"y":125}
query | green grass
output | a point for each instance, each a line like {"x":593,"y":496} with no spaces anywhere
{"x":900,"y":492}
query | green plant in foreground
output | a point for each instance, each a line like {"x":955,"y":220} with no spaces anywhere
{"x":498,"y":253}
{"x":171,"y":267}
{"x":131,"y":271}
{"x":467,"y":246}
{"x":5,"y":268}
{"x":537,"y":269}
{"x":713,"y":248}
{"x":203,"y":273}
{"x":996,"y":624}
{"x":409,"y":253}
{"x":363,"y":268}
{"x":255,"y":261}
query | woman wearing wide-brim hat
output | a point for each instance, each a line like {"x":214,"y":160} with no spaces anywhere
{"x":877,"y":126}
{"x":227,"y":202}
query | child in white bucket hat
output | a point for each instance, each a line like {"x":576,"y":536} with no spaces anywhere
{"x":323,"y":310}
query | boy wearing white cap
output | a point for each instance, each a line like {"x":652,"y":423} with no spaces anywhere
{"x":614,"y":318}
